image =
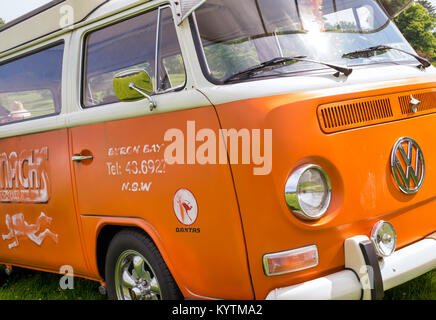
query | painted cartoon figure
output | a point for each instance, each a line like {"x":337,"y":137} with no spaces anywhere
{"x":18,"y":226}
{"x":185,"y":207}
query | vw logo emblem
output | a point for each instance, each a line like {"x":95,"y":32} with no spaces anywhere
{"x":407,"y":165}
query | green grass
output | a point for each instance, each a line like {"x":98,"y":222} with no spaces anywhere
{"x":25,"y":284}
{"x":421,"y":288}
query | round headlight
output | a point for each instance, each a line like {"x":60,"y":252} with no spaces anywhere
{"x":384,"y":238}
{"x":308,"y":192}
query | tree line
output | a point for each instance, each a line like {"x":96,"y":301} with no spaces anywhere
{"x":418,"y":25}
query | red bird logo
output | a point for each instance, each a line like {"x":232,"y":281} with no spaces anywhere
{"x":185,"y":206}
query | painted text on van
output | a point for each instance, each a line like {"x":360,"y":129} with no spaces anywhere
{"x":23,"y":176}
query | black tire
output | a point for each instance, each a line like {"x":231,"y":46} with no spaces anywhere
{"x":122,"y":248}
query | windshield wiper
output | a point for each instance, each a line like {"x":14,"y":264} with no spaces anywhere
{"x":280,"y":61}
{"x":371,"y":51}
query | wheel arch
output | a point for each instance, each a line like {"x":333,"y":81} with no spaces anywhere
{"x":106,"y":231}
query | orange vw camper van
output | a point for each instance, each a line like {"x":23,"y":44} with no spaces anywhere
{"x":218,"y":149}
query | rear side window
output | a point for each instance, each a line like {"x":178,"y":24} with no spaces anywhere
{"x":148,"y":42}
{"x":30,"y":87}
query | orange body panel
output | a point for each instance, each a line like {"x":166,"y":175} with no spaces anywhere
{"x":38,"y":223}
{"x":357,"y":162}
{"x":207,"y":259}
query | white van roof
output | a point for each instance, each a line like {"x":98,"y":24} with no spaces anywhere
{"x":58,"y":15}
{"x":52,"y":17}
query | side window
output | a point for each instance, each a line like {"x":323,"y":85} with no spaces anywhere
{"x":30,"y":87}
{"x":131,"y":44}
{"x":170,"y":67}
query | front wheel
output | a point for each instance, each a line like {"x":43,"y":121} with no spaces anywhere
{"x":135,"y":270}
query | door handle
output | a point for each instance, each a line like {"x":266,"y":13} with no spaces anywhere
{"x":79,"y":158}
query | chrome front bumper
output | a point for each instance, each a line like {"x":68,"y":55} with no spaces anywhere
{"x":363,"y":277}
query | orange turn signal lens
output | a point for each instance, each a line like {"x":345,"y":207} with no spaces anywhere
{"x":290,"y":261}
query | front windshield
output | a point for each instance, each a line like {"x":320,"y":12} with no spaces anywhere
{"x":239,"y":34}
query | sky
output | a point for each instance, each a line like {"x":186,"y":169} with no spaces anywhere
{"x":11,"y":9}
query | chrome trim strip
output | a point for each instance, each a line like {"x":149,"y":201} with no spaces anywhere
{"x":156,"y":53}
{"x":81,"y":158}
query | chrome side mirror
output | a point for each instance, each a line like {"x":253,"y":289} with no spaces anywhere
{"x":395,"y":7}
{"x":134,"y":85}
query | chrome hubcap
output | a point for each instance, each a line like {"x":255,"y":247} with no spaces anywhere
{"x":135,"y":279}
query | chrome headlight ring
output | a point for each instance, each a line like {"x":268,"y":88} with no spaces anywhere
{"x":308,"y":192}
{"x":384,"y":238}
